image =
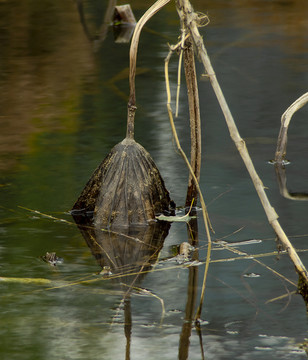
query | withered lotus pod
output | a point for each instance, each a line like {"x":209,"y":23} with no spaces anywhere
{"x":126,"y":188}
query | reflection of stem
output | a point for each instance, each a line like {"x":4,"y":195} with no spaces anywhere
{"x":189,"y":312}
{"x":198,"y":329}
{"x":194,"y":241}
{"x":83,"y":20}
{"x":192,"y":229}
{"x":132,"y":284}
{"x":106,"y":22}
{"x":127,"y":326}
{"x":282,"y":182}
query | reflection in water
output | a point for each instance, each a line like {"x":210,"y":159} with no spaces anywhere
{"x":282,"y":182}
{"x":127,"y":255}
{"x":122,"y":32}
{"x":126,"y":251}
{"x":61,"y":112}
{"x":44,"y":58}
{"x":192,"y":286}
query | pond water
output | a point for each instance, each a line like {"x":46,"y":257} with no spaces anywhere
{"x":64,"y":90}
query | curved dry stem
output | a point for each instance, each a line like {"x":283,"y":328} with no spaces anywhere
{"x":132,"y":64}
{"x":281,"y":149}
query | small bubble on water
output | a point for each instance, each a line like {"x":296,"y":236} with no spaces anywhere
{"x":252,"y":275}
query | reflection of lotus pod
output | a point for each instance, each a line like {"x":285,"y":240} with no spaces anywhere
{"x":126,"y":189}
{"x":127,"y":252}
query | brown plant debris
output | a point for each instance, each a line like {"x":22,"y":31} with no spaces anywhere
{"x":126,"y":188}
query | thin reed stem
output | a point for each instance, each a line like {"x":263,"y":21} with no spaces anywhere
{"x":207,"y":223}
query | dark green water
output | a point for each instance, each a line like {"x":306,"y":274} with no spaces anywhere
{"x":63,"y":107}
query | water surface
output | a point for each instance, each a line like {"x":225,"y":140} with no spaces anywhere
{"x":63,"y":107}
